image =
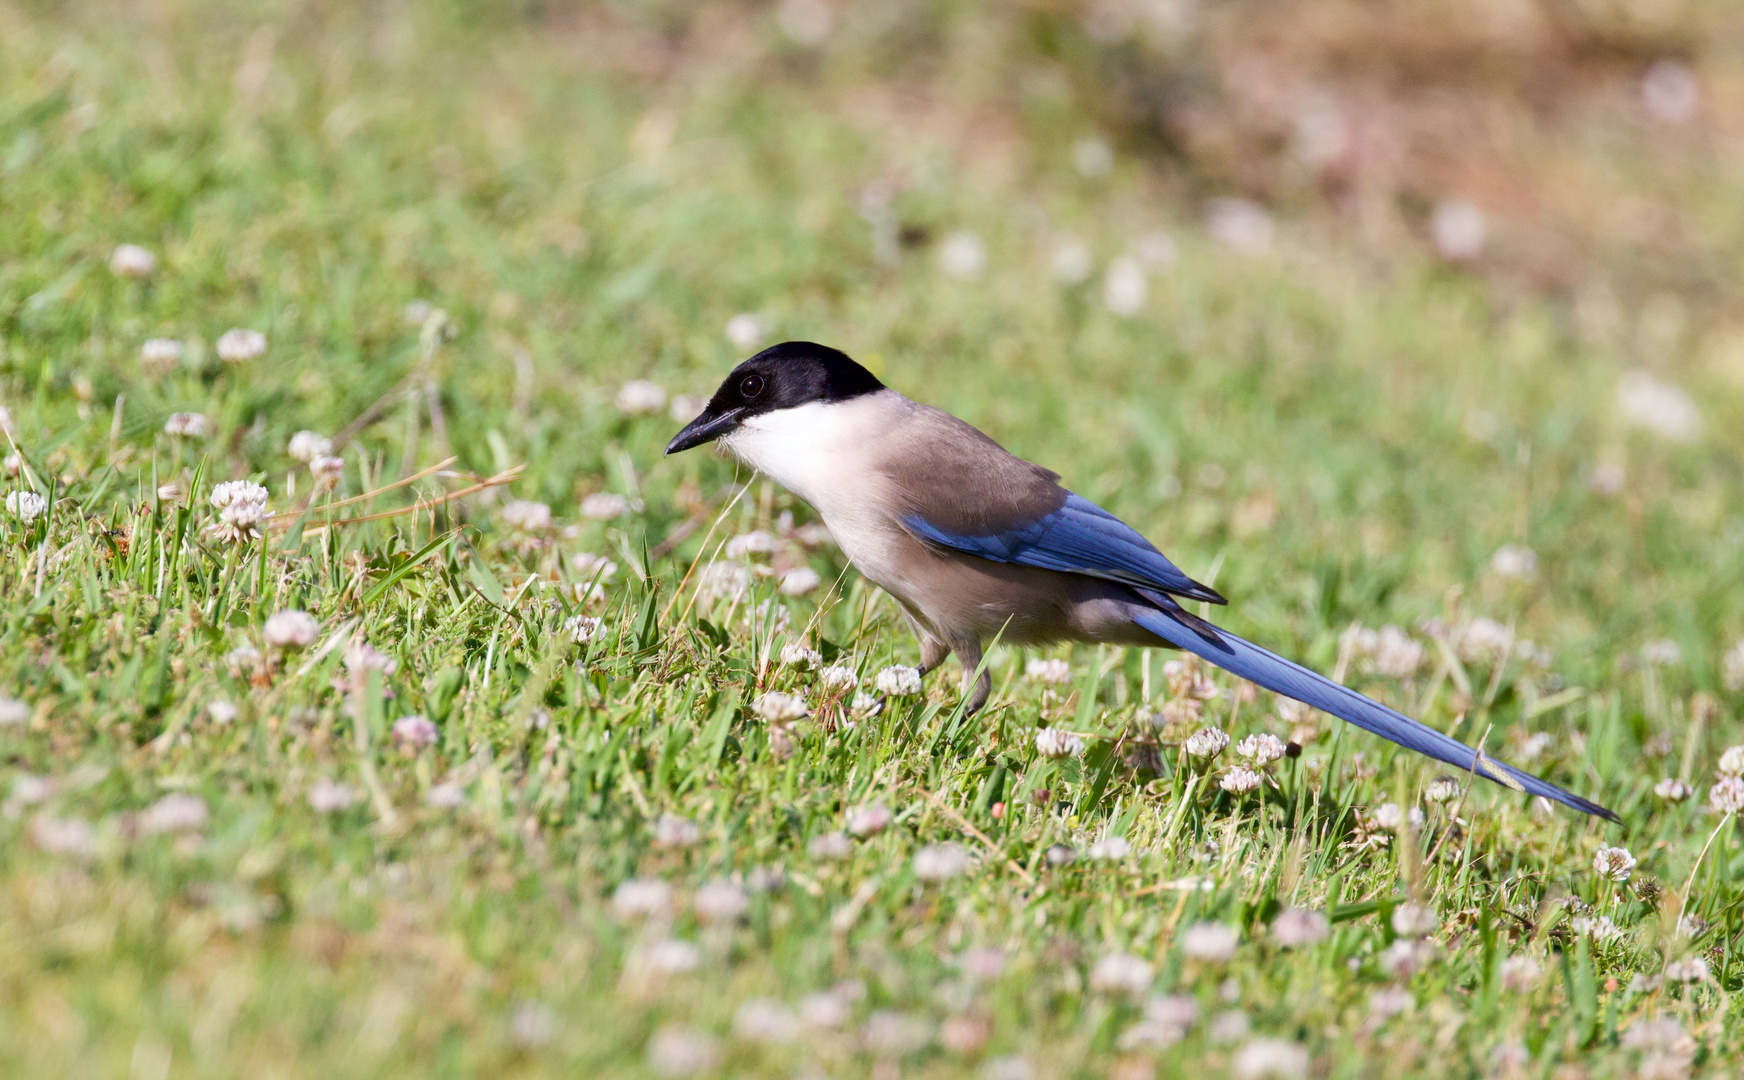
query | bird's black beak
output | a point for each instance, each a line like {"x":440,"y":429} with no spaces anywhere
{"x":708,"y":427}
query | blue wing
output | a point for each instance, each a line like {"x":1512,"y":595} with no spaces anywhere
{"x":1275,"y":673}
{"x":1078,"y":538}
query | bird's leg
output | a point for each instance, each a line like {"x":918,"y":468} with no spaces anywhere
{"x":932,"y":650}
{"x":968,"y":652}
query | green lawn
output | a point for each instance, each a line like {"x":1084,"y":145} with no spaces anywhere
{"x":462,"y":232}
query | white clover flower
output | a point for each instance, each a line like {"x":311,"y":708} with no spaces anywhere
{"x":239,"y":345}
{"x":1395,"y":654}
{"x":188,"y":425}
{"x":1732,"y":667}
{"x":1211,"y":942}
{"x":1458,"y":229}
{"x":242,"y":658}
{"x":938,"y":862}
{"x":672,"y":831}
{"x":1442,"y":789}
{"x":1072,"y":261}
{"x":290,"y":629}
{"x":720,"y":901}
{"x":1672,"y":790}
{"x":1404,"y":957}
{"x":985,"y":963}
{"x":1671,"y":92}
{"x":898,"y":681}
{"x":306,"y":446}
{"x":221,"y":712}
{"x":1732,"y":761}
{"x":1206,"y":743}
{"x":1262,"y":749}
{"x":1296,"y":927}
{"x":639,"y":397}
{"x":745,"y":331}
{"x":232,"y":492}
{"x":722,"y":581}
{"x":797,"y":656}
{"x":1239,"y":225}
{"x":641,"y":898}
{"x":1388,"y":1003}
{"x":1693,"y":969}
{"x":1514,"y":561}
{"x":176,"y":812}
{"x":160,"y":356}
{"x":1520,"y":974}
{"x":331,"y":796}
{"x":1121,"y":973}
{"x":1124,"y":288}
{"x":1270,"y":1059}
{"x":132,"y":261}
{"x":830,"y":846}
{"x":526,"y":516}
{"x":891,"y":1034}
{"x":1008,"y":1067}
{"x":13,"y":713}
{"x":750,"y":545}
{"x":445,"y":797}
{"x":1228,"y":1026}
{"x":779,"y":708}
{"x":1658,"y":407}
{"x":531,"y":1025}
{"x":686,"y":407}
{"x":827,"y":1010}
{"x":1389,"y":816}
{"x":1661,"y":653}
{"x":415,"y":731}
{"x":1048,"y":672}
{"x":604,"y":506}
{"x":583,"y":628}
{"x":326,"y":471}
{"x":865,"y":705}
{"x":361,"y":657}
{"x":63,"y":836}
{"x":1093,"y":156}
{"x":838,"y":679}
{"x":765,"y":1020}
{"x":963,"y":255}
{"x":1413,"y":920}
{"x":1614,"y":863}
{"x":799,"y":580}
{"x":1240,"y":780}
{"x":678,"y":1051}
{"x":1110,"y":849}
{"x":1055,"y":743}
{"x":1485,"y":639}
{"x":1599,"y":929}
{"x":868,"y":820}
{"x":26,"y":506}
{"x":1727,"y":795}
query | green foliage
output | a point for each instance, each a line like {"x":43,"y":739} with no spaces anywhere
{"x":460,"y":241}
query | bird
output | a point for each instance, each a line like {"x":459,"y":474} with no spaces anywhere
{"x":974,"y":543}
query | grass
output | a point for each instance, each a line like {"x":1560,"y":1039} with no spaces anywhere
{"x":1335,"y":443}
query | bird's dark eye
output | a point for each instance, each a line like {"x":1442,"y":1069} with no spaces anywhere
{"x":750,"y":386}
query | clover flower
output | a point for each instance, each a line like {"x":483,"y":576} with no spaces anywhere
{"x":306,"y":446}
{"x":1055,"y":743}
{"x":188,"y":425}
{"x":1240,"y":780}
{"x":290,"y":629}
{"x":868,"y":820}
{"x":1206,"y":743}
{"x":1210,"y":942}
{"x":1261,"y":749}
{"x":159,"y":356}
{"x":26,"y":506}
{"x":241,"y":506}
{"x":898,"y":681}
{"x":414,"y":732}
{"x":1052,"y":672}
{"x":1613,"y":863}
{"x":132,"y":261}
{"x":239,"y":345}
{"x":1121,"y":973}
{"x":939,"y":862}
{"x":777,"y":707}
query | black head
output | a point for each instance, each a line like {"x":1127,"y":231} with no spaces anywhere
{"x":782,"y":376}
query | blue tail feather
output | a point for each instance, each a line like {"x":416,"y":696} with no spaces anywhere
{"x":1244,"y":658}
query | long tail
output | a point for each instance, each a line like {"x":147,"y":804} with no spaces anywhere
{"x":1244,"y":658}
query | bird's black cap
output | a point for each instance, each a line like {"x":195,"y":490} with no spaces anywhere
{"x":782,"y":376}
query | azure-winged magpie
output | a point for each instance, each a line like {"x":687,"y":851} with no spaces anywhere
{"x":974,"y":542}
